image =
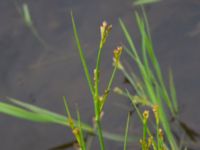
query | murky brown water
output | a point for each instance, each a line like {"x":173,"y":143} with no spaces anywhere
{"x":41,"y":76}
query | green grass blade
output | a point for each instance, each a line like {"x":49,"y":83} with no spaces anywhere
{"x":82,"y":141}
{"x":165,"y":122}
{"x":82,"y":56}
{"x":146,"y":22}
{"x":26,"y":15}
{"x":173,"y":90}
{"x":134,"y":51}
{"x":141,"y":27}
{"x":129,"y":39}
{"x":37,"y":114}
{"x":128,"y":51}
{"x":66,"y":107}
{"x":126,"y":131}
{"x":23,"y":114}
{"x":147,"y":45}
{"x":159,"y":75}
{"x":144,"y":2}
{"x":137,"y":110}
{"x":55,"y":118}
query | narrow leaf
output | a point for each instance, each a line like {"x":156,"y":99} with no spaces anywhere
{"x":82,"y":56}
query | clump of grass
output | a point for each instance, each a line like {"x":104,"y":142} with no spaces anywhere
{"x":22,"y":110}
{"x":77,"y":131}
{"x":33,"y":113}
{"x":150,"y":87}
{"x":151,"y":91}
{"x":98,"y":99}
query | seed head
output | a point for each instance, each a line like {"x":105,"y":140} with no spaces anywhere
{"x":95,"y":74}
{"x":118,"y":90}
{"x":76,"y":131}
{"x":101,"y":98}
{"x":71,"y":123}
{"x":104,"y":30}
{"x":155,"y":108}
{"x":156,"y":113}
{"x":150,"y":141}
{"x":161,"y":134}
{"x":146,"y":114}
{"x":117,"y":53}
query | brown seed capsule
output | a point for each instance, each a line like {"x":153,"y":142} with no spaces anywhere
{"x":155,"y":108}
{"x":161,"y":134}
{"x":156,"y":113}
{"x":150,"y":141}
{"x":76,"y":131}
{"x":117,"y":53}
{"x":146,"y":114}
{"x":104,"y":30}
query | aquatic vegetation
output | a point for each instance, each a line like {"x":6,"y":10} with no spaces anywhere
{"x":98,"y":99}
{"x":158,"y":101}
{"x":150,"y":88}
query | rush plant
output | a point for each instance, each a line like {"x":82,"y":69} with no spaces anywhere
{"x":149,"y":85}
{"x":151,"y":92}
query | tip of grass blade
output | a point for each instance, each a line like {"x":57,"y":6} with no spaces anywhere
{"x":173,"y":90}
{"x":66,"y":107}
{"x":144,"y":2}
{"x":82,"y":141}
{"x":81,"y":54}
{"x":126,"y":131}
{"x":26,"y":14}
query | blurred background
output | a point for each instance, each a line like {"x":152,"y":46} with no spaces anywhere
{"x":41,"y":73}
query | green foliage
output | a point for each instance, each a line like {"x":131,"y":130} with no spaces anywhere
{"x":126,"y":130}
{"x":144,"y":2}
{"x":150,"y":88}
{"x":33,"y":113}
{"x":98,"y":100}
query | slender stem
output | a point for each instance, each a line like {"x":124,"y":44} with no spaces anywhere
{"x":96,"y":99}
{"x":157,"y":136}
{"x":99,"y":56}
{"x":100,"y":135}
{"x":98,"y":125}
{"x":109,"y":86}
{"x":97,"y":71}
{"x":126,"y":131}
{"x":112,"y":77}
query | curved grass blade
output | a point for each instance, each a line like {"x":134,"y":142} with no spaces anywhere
{"x":36,"y":114}
{"x":22,"y":113}
{"x":82,"y":140}
{"x":126,"y":131}
{"x":173,"y":90}
{"x":144,"y":2}
{"x":56,"y":118}
{"x":82,"y":56}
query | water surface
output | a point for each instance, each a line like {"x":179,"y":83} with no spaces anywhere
{"x":41,"y":76}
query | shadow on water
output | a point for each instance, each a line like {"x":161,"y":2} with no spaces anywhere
{"x":41,"y":76}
